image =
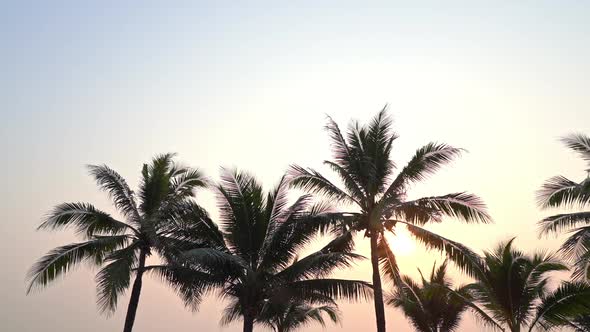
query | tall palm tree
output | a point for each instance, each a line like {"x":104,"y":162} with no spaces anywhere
{"x":255,"y":255}
{"x":431,"y":305}
{"x":514,"y":288}
{"x":560,"y":191}
{"x":151,"y":225}
{"x":362,"y":161}
{"x":290,"y":316}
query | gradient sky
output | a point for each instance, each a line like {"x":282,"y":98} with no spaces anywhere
{"x":249,"y":86}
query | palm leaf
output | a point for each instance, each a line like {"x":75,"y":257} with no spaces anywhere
{"x":351,"y":290}
{"x":190,"y":284}
{"x":61,"y":259}
{"x":560,"y":222}
{"x":563,"y":305}
{"x":84,"y":218}
{"x":463,"y":257}
{"x":579,"y":143}
{"x":313,"y":182}
{"x":387,"y":261}
{"x":463,"y":206}
{"x":113,"y":279}
{"x":117,"y":188}
{"x":426,"y":161}
{"x":317,"y":265}
{"x":560,"y":191}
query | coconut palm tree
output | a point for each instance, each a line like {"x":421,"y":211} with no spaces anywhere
{"x":514,"y":288}
{"x":362,"y":162}
{"x":431,"y":305}
{"x":151,"y":224}
{"x":256,"y":253}
{"x":560,"y":191}
{"x":289,"y":316}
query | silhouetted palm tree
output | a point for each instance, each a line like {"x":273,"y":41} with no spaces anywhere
{"x":513,"y":287}
{"x":255,"y":254}
{"x":151,"y":225}
{"x":432,"y":306}
{"x":290,"y":316}
{"x":361,"y":160}
{"x":559,"y":191}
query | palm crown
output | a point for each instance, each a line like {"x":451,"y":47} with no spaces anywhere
{"x":362,"y":161}
{"x":560,"y":191}
{"x":152,"y":224}
{"x":514,"y":288}
{"x":429,"y":305}
{"x":291,"y":315}
{"x":255,"y":256}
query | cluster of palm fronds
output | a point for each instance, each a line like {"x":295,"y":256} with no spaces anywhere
{"x":250,"y":255}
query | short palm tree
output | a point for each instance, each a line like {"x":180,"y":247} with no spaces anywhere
{"x":255,"y":255}
{"x":151,"y":225}
{"x":362,"y":161}
{"x":290,"y":316}
{"x":560,"y":191}
{"x":514,"y":288}
{"x":431,"y":305}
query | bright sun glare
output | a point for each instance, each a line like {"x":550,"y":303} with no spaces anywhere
{"x":401,"y":243}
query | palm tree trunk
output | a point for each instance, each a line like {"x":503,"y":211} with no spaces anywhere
{"x":135,"y":292}
{"x":248,"y":323}
{"x":377,"y":288}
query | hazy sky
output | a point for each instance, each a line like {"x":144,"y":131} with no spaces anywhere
{"x":249,"y":85}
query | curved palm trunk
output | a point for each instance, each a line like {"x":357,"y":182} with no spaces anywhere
{"x":135,"y":292}
{"x":248,"y":323}
{"x":377,"y":288}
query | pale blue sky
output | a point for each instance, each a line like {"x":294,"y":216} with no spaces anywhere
{"x":230,"y":83}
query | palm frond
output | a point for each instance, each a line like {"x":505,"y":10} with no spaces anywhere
{"x":582,"y":268}
{"x":387,"y":261}
{"x":560,"y":222}
{"x":116,"y":186}
{"x":560,"y":191}
{"x":351,"y":290}
{"x":62,"y":259}
{"x":300,"y":225}
{"x":155,"y":185}
{"x":242,"y":208}
{"x":565,"y":304}
{"x":191,"y":222}
{"x":231,"y":313}
{"x":214,"y":261}
{"x":426,"y":161}
{"x":314,"y":182}
{"x":467,"y":260}
{"x":317,"y":265}
{"x":340,"y":149}
{"x":183,"y":183}
{"x":463,"y":206}
{"x":579,"y":143}
{"x":85,"y":219}
{"x":353,"y":189}
{"x":190,"y":284}
{"x":577,"y":244}
{"x":113,"y":279}
{"x":296,"y":315}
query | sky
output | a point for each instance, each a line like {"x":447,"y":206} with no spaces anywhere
{"x":231,"y":83}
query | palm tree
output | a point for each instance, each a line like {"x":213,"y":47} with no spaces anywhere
{"x":255,"y":255}
{"x":432,"y":306}
{"x":152,"y":224}
{"x":560,"y":191}
{"x":362,"y":161}
{"x":514,"y":288}
{"x":289,"y":316}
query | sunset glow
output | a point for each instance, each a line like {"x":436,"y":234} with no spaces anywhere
{"x":401,"y":243}
{"x":482,"y":90}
